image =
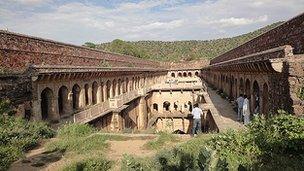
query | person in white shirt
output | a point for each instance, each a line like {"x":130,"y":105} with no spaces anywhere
{"x":240,"y":101}
{"x":197,"y":122}
{"x":246,"y":110}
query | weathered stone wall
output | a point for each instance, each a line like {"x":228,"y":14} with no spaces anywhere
{"x":289,"y":33}
{"x":17,"y":52}
{"x":196,"y":64}
{"x":296,"y":82}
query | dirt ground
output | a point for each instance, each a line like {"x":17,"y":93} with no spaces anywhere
{"x":39,"y":159}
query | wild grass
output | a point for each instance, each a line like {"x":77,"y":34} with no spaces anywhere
{"x":162,"y":140}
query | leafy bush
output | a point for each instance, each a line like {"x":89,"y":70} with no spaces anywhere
{"x":276,"y":143}
{"x":130,"y":163}
{"x":18,"y":135}
{"x":90,"y":165}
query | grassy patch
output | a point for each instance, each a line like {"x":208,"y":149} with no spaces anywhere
{"x":163,"y":139}
{"x":96,"y":163}
{"x":78,"y":138}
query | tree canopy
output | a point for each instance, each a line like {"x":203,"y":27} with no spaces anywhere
{"x":178,"y":50}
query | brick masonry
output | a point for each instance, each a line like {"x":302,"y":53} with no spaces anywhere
{"x":289,"y":33}
{"x":18,"y":51}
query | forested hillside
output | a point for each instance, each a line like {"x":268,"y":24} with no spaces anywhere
{"x":178,"y":50}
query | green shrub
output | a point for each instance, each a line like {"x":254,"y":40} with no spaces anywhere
{"x":18,"y":135}
{"x":90,"y":164}
{"x":276,"y":143}
{"x":130,"y":163}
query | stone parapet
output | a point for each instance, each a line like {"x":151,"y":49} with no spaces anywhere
{"x":289,"y":33}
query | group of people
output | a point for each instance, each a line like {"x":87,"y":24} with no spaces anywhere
{"x":243,"y":109}
{"x":243,"y":113}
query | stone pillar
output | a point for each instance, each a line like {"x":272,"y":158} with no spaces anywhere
{"x":82,"y":98}
{"x":116,"y":121}
{"x":104,"y":91}
{"x":54,"y":111}
{"x":111,"y":91}
{"x":99,"y":94}
{"x":90,"y":95}
{"x":142,"y":114}
{"x":69,"y":105}
{"x":36,"y":109}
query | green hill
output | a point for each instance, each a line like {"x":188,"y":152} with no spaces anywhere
{"x":178,"y":50}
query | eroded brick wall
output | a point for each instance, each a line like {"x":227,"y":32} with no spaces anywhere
{"x":289,"y":33}
{"x":17,"y":52}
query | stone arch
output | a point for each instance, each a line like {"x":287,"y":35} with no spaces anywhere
{"x":184,"y":74}
{"x":47,"y":106}
{"x":108,"y":89}
{"x":247,"y":88}
{"x":166,"y":106}
{"x":127,"y":84}
{"x":63,"y":94}
{"x":119,"y":87}
{"x":256,"y":97}
{"x":265,"y":100}
{"x":189,"y":74}
{"x":173,"y":74}
{"x":76,"y":96}
{"x":94,"y":92}
{"x":241,"y":89}
{"x":123,"y":87}
{"x":114,"y":84}
{"x":196,"y":73}
{"x":155,"y":106}
{"x":102,"y":96}
{"x":231,"y":90}
{"x":179,"y":74}
{"x":86,"y":93}
{"x":190,"y":106}
{"x":133,"y":83}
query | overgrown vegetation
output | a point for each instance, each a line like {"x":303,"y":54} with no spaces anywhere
{"x":161,"y":141}
{"x":90,"y":164}
{"x":79,"y":139}
{"x":18,"y":135}
{"x":178,"y":50}
{"x":273,"y":144}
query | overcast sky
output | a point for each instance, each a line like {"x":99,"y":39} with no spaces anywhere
{"x":79,"y":21}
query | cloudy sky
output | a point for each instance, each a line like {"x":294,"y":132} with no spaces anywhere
{"x":78,"y":21}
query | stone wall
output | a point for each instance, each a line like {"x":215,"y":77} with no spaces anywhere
{"x":18,"y":51}
{"x":296,"y":82}
{"x":289,"y":33}
{"x":182,"y":65}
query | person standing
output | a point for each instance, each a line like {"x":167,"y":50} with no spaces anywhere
{"x":197,"y":121}
{"x":246,"y":110}
{"x":240,"y":101}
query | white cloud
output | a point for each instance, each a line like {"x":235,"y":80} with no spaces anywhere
{"x":160,"y":25}
{"x":31,"y":2}
{"x":233,"y":21}
{"x":77,"y":22}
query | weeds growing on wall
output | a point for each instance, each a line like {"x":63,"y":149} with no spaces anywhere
{"x":18,"y":136}
{"x":273,"y":144}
